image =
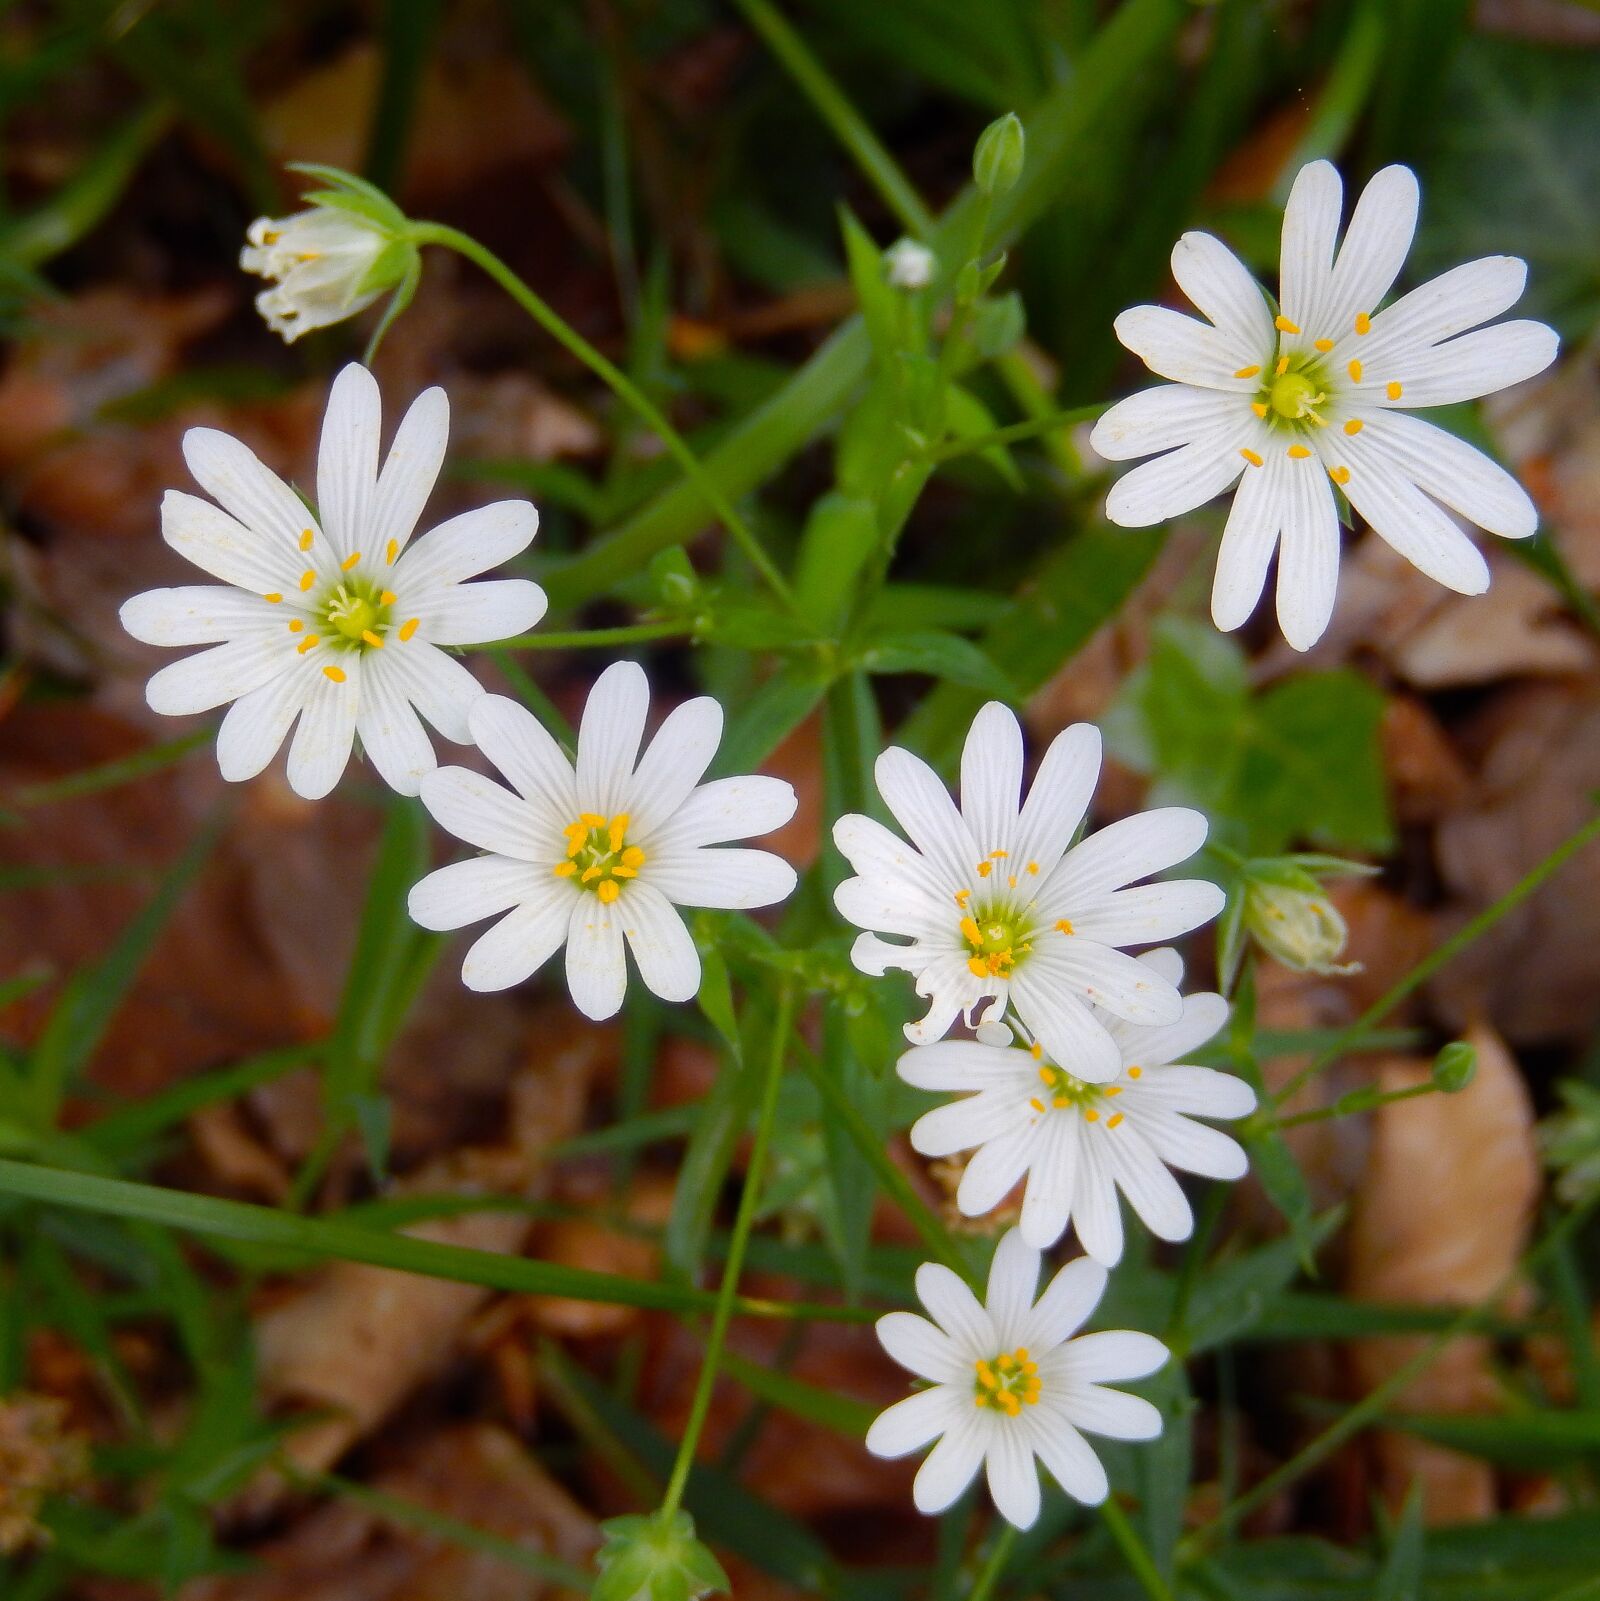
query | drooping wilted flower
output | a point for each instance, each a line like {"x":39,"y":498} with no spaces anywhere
{"x":1314,"y":393}
{"x":335,"y":618}
{"x":999,"y":907}
{"x":599,"y":854}
{"x":1011,"y":1385}
{"x":1079,"y":1143}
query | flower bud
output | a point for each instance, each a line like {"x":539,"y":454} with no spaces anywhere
{"x":331,"y":261}
{"x":997,"y":160}
{"x":910,"y":265}
{"x":655,"y":1558}
{"x":1455,"y":1066}
{"x":1289,"y":915}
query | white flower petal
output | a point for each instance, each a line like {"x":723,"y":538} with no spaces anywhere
{"x":923,"y":808}
{"x":412,"y":467}
{"x":951,"y":1465}
{"x":321,"y":745}
{"x":1149,"y":912}
{"x":481,"y":812}
{"x":466,"y":545}
{"x":1013,"y":1480}
{"x":527,"y":753}
{"x":196,"y":614}
{"x":1166,"y":962}
{"x":469,"y":891}
{"x":1454,"y":472}
{"x":1375,"y":247}
{"x":1202,"y":1091}
{"x":725,"y":877}
{"x":922,"y":1349}
{"x":248,"y":491}
{"x":965,"y":1065}
{"x":1179,"y":481}
{"x":436,"y":684}
{"x":1185,"y":349}
{"x":482,"y":613}
{"x":1310,"y":230}
{"x":256,"y":724}
{"x":955,"y":1309}
{"x":1220,"y":285}
{"x":908,"y":1425}
{"x":674,"y":761}
{"x":1096,"y":1212}
{"x":1113,"y":1356}
{"x":730,"y":808}
{"x":991,"y":777}
{"x":347,"y":459}
{"x":666,"y":956}
{"x":391,"y":733}
{"x":1248,"y":541}
{"x":1047,"y":1201}
{"x":1116,"y":981}
{"x":1308,"y":557}
{"x":1065,"y":1306}
{"x":1475,"y":364}
{"x":1124,"y":852}
{"x":1192,"y":1146}
{"x":1160,"y":419}
{"x":229,"y":550}
{"x":219,"y":674}
{"x":1114,"y":1414}
{"x":1067,"y":1456}
{"x":597,"y":970}
{"x":892,"y":906}
{"x":995,"y":1169}
{"x":1152,"y":1191}
{"x":1013,"y":1278}
{"x":1059,"y":797}
{"x":516,"y":947}
{"x":1462,"y":298}
{"x":1061,"y":1020}
{"x":609,"y":735}
{"x":960,"y":1125}
{"x":1204,"y":1013}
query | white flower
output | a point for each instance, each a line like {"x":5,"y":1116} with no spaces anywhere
{"x":1318,"y":396}
{"x":323,"y":265}
{"x":333,"y":618}
{"x":997,"y":908}
{"x":591,"y":856}
{"x":1079,"y":1143}
{"x":1010,"y":1384}
{"x":910,"y":264}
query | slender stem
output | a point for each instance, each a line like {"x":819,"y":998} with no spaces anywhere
{"x":1446,"y":953}
{"x":845,"y":122}
{"x":744,"y":1218}
{"x":438,"y":233}
{"x":1140,"y":1563}
{"x":596,"y":638}
{"x":999,"y":1555}
{"x":1028,"y":429}
{"x":1347,"y":1106}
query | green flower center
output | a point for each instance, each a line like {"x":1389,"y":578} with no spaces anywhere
{"x":356,"y":614}
{"x":995,"y":941}
{"x":1293,"y":395}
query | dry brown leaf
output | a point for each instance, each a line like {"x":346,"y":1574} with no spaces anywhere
{"x":1441,"y":1219}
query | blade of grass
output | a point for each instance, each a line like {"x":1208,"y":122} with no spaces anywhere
{"x":110,"y":775}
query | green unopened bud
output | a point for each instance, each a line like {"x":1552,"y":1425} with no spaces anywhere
{"x":997,"y":160}
{"x":1290,"y":917}
{"x":327,"y":263}
{"x":1455,"y":1066}
{"x":655,"y":1558}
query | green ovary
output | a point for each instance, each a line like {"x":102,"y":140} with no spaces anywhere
{"x":356,"y":612}
{"x":1293,"y":395}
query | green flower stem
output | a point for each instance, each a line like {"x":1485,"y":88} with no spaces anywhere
{"x":1030,"y":429}
{"x":999,"y":1555}
{"x":1442,"y":957}
{"x":596,"y":638}
{"x":1140,"y":1563}
{"x":438,"y":233}
{"x":1372,"y":1405}
{"x":1347,"y":1105}
{"x":743,"y":1220}
{"x":321,"y":1238}
{"x":847,"y":124}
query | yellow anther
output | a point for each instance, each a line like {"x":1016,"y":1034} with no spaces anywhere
{"x":306,"y":537}
{"x":390,"y":552}
{"x":1114,"y":1119}
{"x":372,"y":639}
{"x":350,"y":561}
{"x":1392,"y":390}
{"x":977,"y":967}
{"x":335,"y":673}
{"x":1061,"y":1100}
{"x":1033,"y":867}
{"x":1363,"y":323}
{"x":1355,"y":372}
{"x":1247,"y":372}
{"x":565,"y":869}
{"x":295,"y":625}
{"x":608,"y":891}
{"x":307,"y":579}
{"x":590,"y":874}
{"x":1135,"y":1072}
{"x":1091,"y":1116}
{"x":1047,"y":1075}
{"x":387,"y":598}
{"x":1340,"y":475}
{"x":1259,"y":407}
{"x":407,"y":629}
{"x":306,"y":644}
{"x":1065,"y":925}
{"x":970,"y":931}
{"x":1036,"y":1103}
{"x":1299,"y":452}
{"x":1115,"y":1089}
{"x":998,"y":856}
{"x":624,"y":872}
{"x":1354,"y":426}
{"x":617,"y":830}
{"x":1011,"y":880}
{"x":1282,"y":367}
{"x":1284,"y":326}
{"x":633,"y":857}
{"x":962,"y":897}
{"x":1036,"y":1050}
{"x":985,"y":869}
{"x":274,"y":597}
{"x":591,"y":820}
{"x":1324,"y":345}
{"x":1250,"y":456}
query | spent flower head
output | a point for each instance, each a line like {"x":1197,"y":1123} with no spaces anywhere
{"x":1296,"y":400}
{"x":332,"y":260}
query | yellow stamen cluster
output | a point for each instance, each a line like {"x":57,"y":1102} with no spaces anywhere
{"x":598,"y":856}
{"x":1007,"y":1382}
{"x":352,"y":614}
{"x":995,"y":946}
{"x":1065,"y":1091}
